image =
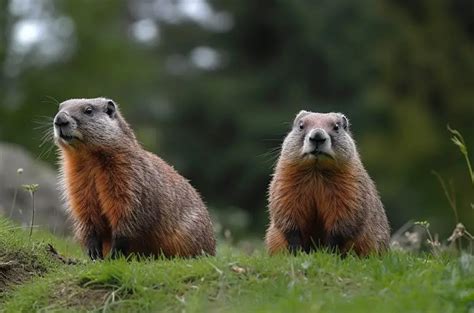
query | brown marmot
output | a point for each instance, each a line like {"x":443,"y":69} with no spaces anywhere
{"x":122,"y":198}
{"x":321,"y":195}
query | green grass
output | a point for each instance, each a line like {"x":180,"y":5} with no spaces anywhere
{"x":236,"y":282}
{"x":20,"y":257}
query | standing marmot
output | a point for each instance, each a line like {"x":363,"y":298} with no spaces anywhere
{"x":321,"y":195}
{"x":122,"y":198}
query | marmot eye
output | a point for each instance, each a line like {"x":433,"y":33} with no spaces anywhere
{"x":301,"y":126}
{"x":336,"y":127}
{"x":88,"y":111}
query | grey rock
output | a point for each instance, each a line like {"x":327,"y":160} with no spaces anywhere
{"x":49,"y":211}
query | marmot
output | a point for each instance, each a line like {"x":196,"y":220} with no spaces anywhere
{"x":122,"y":198}
{"x":321,"y":195}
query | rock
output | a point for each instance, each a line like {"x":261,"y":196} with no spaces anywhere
{"x":49,"y":211}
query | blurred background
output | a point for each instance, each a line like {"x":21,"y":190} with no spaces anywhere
{"x":213,"y":86}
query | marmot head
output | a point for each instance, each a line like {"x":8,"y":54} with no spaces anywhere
{"x":320,"y":138}
{"x":91,"y":123}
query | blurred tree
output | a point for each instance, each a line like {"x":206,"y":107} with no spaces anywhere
{"x":212,"y":86}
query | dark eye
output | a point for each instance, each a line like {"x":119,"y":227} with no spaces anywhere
{"x":336,"y":127}
{"x":301,"y":126}
{"x":88,"y":111}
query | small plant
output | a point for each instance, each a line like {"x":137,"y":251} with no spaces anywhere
{"x":459,"y":232}
{"x":432,"y":241}
{"x":458,"y":140}
{"x":406,"y":239}
{"x":18,"y":172}
{"x":32,"y":188}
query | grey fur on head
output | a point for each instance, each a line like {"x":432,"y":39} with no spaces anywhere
{"x":99,"y":119}
{"x":319,"y":135}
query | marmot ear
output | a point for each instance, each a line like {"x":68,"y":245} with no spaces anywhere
{"x":300,"y":115}
{"x":111,"y":109}
{"x":345,"y":121}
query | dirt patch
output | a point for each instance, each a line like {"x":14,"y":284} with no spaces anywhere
{"x":18,"y":267}
{"x":8,"y":274}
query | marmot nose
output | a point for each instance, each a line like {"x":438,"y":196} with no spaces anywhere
{"x":318,"y":137}
{"x":61,"y":119}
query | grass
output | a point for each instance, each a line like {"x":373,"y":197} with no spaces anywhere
{"x":234,"y":281}
{"x":20,"y":258}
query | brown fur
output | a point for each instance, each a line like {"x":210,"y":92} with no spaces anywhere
{"x":323,"y":200}
{"x":121,"y":191}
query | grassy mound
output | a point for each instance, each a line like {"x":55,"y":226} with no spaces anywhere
{"x":237,"y":282}
{"x":21,"y":258}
